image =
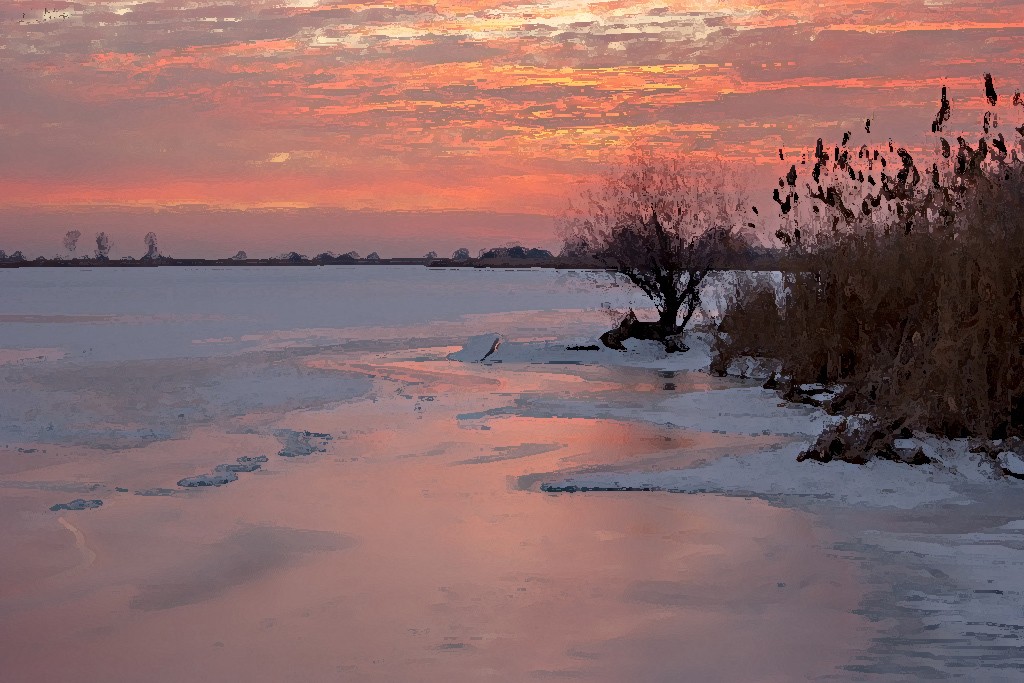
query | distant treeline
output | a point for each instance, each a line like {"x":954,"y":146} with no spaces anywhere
{"x":745,"y":258}
{"x":740,"y":255}
{"x":16,"y":261}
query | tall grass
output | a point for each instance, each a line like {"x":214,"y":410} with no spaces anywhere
{"x":907,"y":287}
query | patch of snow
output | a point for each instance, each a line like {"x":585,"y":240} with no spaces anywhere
{"x":964,"y":588}
{"x":158,"y":491}
{"x":78,"y":504}
{"x":499,"y":348}
{"x":1012,"y":462}
{"x":223,"y":474}
{"x":477,"y":348}
{"x":218,"y":478}
{"x":1017,"y":525}
{"x":775,"y":474}
{"x":300,"y":444}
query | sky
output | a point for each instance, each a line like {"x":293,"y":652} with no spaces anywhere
{"x":311,"y":125}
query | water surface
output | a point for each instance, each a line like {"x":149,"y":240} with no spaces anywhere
{"x":408,"y":546}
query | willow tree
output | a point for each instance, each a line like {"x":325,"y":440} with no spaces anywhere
{"x":663,"y":223}
{"x":71,"y":241}
{"x":152,"y":247}
{"x":102,"y":246}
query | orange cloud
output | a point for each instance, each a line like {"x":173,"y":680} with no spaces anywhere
{"x":461,"y":104}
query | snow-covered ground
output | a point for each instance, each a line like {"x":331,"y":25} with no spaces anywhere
{"x":941,"y":544}
{"x":376,"y":474}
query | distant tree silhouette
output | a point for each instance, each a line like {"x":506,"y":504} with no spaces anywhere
{"x":430,"y":254}
{"x":102,"y":246}
{"x":516,"y":251}
{"x":71,"y":240}
{"x":329,"y":257}
{"x":13,"y":258}
{"x":373,"y":256}
{"x":152,"y":250}
{"x":461,"y":254}
{"x":662,"y":223}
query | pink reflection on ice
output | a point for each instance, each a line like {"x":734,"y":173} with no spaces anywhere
{"x":408,"y":551}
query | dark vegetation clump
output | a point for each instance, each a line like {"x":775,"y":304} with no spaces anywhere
{"x":905,"y":291}
{"x":71,"y":241}
{"x":102,"y":247}
{"x":514,"y":251}
{"x":663,"y":224}
{"x":15,"y":257}
{"x":330,"y":258}
{"x":869,"y":439}
{"x":152,"y":247}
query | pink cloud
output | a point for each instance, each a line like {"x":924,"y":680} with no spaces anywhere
{"x":487,"y":105}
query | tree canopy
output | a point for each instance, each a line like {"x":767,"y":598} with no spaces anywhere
{"x":662,"y":222}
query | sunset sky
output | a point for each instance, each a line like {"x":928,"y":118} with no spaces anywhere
{"x":271,"y":125}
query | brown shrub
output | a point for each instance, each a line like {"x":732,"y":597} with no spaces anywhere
{"x":750,"y":321}
{"x":914,"y":303}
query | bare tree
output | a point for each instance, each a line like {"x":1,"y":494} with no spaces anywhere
{"x":662,"y":223}
{"x":102,"y":246}
{"x":152,"y":250}
{"x":71,"y":240}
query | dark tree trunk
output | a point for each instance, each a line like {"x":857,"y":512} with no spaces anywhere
{"x":664,"y":330}
{"x":668,"y":317}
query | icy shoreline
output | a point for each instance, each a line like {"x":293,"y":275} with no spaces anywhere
{"x":942,"y":544}
{"x":429,"y":495}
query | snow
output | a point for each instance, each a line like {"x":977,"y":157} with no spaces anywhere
{"x":1012,"y":462}
{"x":78,"y":504}
{"x":137,"y":313}
{"x":478,"y":348}
{"x":949,"y":589}
{"x":299,"y":444}
{"x":777,"y":474}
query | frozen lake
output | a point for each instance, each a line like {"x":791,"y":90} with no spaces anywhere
{"x":395,"y":529}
